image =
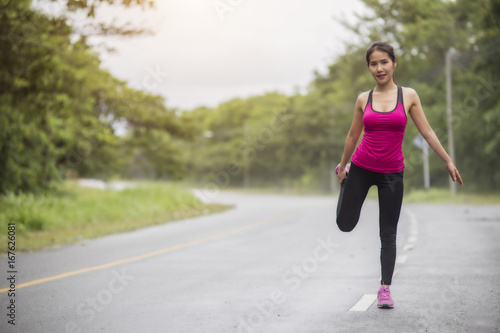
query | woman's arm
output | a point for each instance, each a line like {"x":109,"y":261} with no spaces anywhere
{"x":418,"y":116}
{"x":353,"y":136}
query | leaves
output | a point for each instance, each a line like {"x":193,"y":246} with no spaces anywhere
{"x":58,"y":109}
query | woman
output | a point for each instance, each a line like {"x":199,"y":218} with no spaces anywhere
{"x":378,"y":160}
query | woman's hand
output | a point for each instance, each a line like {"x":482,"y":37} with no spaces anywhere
{"x":341,"y":175}
{"x":452,"y":170}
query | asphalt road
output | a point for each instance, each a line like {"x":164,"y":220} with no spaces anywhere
{"x":275,"y":263}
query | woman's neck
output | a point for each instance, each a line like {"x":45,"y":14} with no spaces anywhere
{"x":391,"y":85}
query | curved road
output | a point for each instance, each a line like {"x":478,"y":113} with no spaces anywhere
{"x":275,"y":263}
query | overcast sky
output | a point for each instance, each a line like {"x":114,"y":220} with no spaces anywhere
{"x":199,"y":56}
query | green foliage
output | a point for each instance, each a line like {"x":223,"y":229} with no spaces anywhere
{"x":58,"y":109}
{"x":244,"y":135}
{"x":92,"y":27}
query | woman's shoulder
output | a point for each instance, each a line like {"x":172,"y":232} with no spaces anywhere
{"x":409,"y":92}
{"x":363,"y":97}
{"x":410,"y":98}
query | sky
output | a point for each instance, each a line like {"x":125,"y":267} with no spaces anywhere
{"x":203,"y":55}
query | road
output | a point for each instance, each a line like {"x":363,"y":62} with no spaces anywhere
{"x":275,"y":263}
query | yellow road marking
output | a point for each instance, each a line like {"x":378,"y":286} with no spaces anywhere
{"x":152,"y":254}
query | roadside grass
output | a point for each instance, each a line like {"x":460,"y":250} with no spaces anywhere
{"x":443,"y":196}
{"x":71,"y":213}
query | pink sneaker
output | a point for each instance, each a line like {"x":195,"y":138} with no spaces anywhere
{"x":347,"y":168}
{"x":384,"y":298}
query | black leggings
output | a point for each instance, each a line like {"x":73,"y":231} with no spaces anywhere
{"x":390,"y":195}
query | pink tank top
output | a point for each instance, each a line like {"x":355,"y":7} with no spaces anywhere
{"x":380,"y":149}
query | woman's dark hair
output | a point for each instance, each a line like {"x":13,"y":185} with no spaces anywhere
{"x":382,"y":47}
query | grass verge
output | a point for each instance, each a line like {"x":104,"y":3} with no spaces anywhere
{"x":72,"y":213}
{"x":443,"y":196}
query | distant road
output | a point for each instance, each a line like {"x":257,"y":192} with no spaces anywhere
{"x":275,"y":263}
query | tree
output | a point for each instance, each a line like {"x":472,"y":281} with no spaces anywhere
{"x":59,"y":109}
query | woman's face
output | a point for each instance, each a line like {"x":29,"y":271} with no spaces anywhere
{"x":381,"y":67}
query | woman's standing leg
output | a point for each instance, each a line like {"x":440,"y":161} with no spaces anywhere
{"x":352,"y":196}
{"x":390,"y":192}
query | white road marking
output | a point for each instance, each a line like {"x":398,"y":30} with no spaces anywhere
{"x":364,"y":303}
{"x":412,"y":239}
{"x":401,"y":259}
{"x":408,"y":247}
{"x":410,"y":244}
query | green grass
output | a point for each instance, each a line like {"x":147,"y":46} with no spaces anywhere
{"x":72,"y":213}
{"x":443,"y":196}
